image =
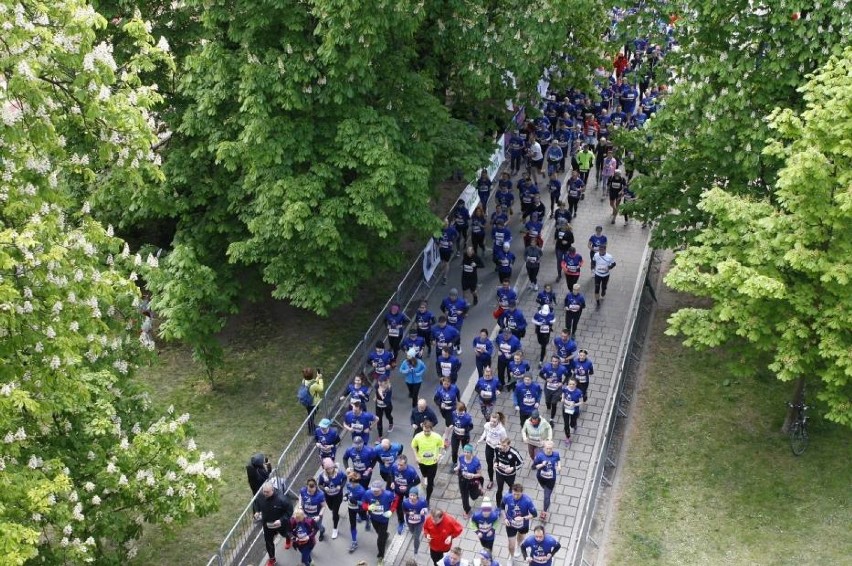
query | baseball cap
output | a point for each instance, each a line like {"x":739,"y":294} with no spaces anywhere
{"x":325,"y":423}
{"x":468,"y":448}
{"x":411,"y":353}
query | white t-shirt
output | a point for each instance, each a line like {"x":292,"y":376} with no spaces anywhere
{"x":535,"y":151}
{"x":603,"y":263}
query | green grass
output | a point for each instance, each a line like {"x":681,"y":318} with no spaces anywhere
{"x":253,"y":407}
{"x":709,"y":479}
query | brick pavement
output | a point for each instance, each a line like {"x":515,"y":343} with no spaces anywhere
{"x":600,"y":332}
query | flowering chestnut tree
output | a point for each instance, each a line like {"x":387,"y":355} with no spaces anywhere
{"x":85,"y":460}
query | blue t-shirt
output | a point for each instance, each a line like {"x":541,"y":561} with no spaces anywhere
{"x":517,"y":510}
{"x":538,"y":551}
{"x":548,"y":471}
{"x":413,"y":512}
{"x":485,"y":526}
{"x":311,"y":504}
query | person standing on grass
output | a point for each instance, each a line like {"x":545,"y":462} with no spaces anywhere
{"x":507,"y":462}
{"x":384,"y":405}
{"x":440,"y":529}
{"x":548,"y":466}
{"x":575,"y":303}
{"x":415,"y":509}
{"x":493,"y":433}
{"x":363,"y":459}
{"x":527,"y":396}
{"x":275,"y":511}
{"x":354,"y":492}
{"x":553,"y":373}
{"x":602,"y":264}
{"x":543,"y":322}
{"x":535,"y":432}
{"x":540,"y":547}
{"x":572,"y":401}
{"x":311,"y":503}
{"x":379,"y":503}
{"x":424,"y":320}
{"x":303,"y":529}
{"x":461,"y":426}
{"x":488,"y":388}
{"x":471,"y":264}
{"x":327,"y":439}
{"x":518,"y":511}
{"x":427,"y":446}
{"x":421,"y":413}
{"x":571,"y":264}
{"x":483,"y":348}
{"x":332,"y":481}
{"x":359,"y":422}
{"x":310,"y":394}
{"x":484,"y":523}
{"x":413,"y":369}
{"x":403,"y":479}
{"x":469,"y":471}
{"x":582,"y":370}
{"x":395,"y":322}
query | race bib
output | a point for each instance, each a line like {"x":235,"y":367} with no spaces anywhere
{"x":393,"y":331}
{"x":485,"y":394}
{"x":518,"y":522}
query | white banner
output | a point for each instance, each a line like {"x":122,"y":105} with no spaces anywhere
{"x":431,"y":259}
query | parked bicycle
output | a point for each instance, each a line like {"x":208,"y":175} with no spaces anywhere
{"x":799,"y":428}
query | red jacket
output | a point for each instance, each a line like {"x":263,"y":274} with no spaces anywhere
{"x":448,"y":527}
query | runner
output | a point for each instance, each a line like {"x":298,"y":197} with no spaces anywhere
{"x":602,"y":264}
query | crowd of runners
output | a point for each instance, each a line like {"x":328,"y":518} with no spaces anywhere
{"x":373,"y":482}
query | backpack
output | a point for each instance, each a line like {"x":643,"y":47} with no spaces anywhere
{"x":305,"y":397}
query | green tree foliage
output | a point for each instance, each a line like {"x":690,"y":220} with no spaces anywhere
{"x":737,"y":61}
{"x":779,"y":269}
{"x":85,"y":460}
{"x":315,"y":132}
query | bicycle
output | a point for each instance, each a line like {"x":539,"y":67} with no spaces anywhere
{"x":799,"y":428}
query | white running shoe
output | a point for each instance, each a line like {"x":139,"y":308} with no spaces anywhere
{"x":334,"y":534}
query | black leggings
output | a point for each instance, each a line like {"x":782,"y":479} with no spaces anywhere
{"x":455,"y":442}
{"x":393,"y":342}
{"x":489,"y":461}
{"x":333,"y":502}
{"x":477,"y":240}
{"x":584,"y":386}
{"x":551,"y":400}
{"x":572,"y":321}
{"x":381,"y":536}
{"x":572,"y":205}
{"x":532,"y":272}
{"x":570,"y":422}
{"x":600,"y":285}
{"x":386,"y":411}
{"x":464,"y":489}
{"x":502,"y":370}
{"x":428,"y":471}
{"x":543,"y":341}
{"x":354,"y":514}
{"x":413,"y":392}
{"x":269,"y":536}
{"x":502,"y":482}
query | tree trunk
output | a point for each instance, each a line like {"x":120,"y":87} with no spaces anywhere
{"x":798,"y":395}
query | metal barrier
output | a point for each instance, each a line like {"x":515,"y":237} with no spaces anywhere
{"x":631,"y":350}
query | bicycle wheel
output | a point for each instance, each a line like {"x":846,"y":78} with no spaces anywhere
{"x":798,"y":438}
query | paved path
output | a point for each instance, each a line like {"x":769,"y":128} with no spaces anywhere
{"x":600,"y":332}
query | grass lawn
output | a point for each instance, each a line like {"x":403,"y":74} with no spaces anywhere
{"x":708,"y":478}
{"x":253,"y":407}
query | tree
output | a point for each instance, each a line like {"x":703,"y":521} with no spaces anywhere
{"x":86,"y":460}
{"x":313,"y":136}
{"x":779,"y":269}
{"x":736,"y":61}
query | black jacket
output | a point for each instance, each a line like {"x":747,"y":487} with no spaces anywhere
{"x":275,"y":507}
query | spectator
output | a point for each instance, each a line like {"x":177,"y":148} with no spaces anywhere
{"x":310,"y":394}
{"x":275,"y":511}
{"x":257,"y":470}
{"x":440,"y":529}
